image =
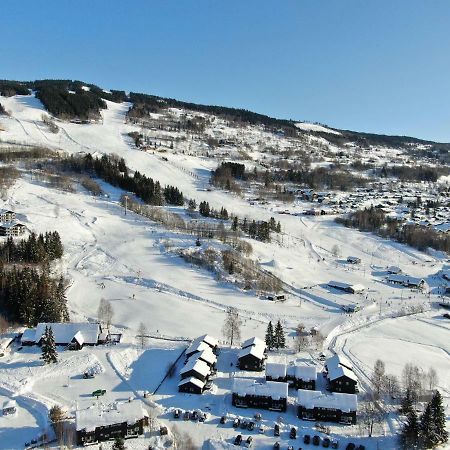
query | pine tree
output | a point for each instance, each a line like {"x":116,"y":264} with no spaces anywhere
{"x":235,"y":224}
{"x":409,"y":436}
{"x":439,"y":418}
{"x":269,"y":336}
{"x":279,"y":340}
{"x":407,"y":402}
{"x":427,"y":428}
{"x":49,"y":354}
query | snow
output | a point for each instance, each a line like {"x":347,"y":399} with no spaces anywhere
{"x":192,"y":380}
{"x":335,"y":372}
{"x":273,"y":389}
{"x":314,"y":127}
{"x":254,"y":341}
{"x":336,"y":400}
{"x":196,"y":365}
{"x":338,"y":360}
{"x":253,"y":350}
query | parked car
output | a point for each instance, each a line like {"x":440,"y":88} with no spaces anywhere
{"x":248,"y":442}
{"x":316,"y":440}
{"x":334,"y":443}
{"x":88,"y":374}
{"x":223,"y":419}
{"x":176,"y":414}
{"x":350,"y":446}
{"x":99,"y":392}
{"x":276,"y":430}
{"x":306,"y":438}
{"x":262,"y":429}
{"x":326,"y":442}
{"x":194,"y":415}
{"x":236,"y":422}
{"x":244,"y":424}
{"x":186,"y":415}
{"x":293,"y":433}
{"x":238,"y":439}
{"x":251,"y":426}
{"x":276,"y":446}
{"x":258,"y":417}
{"x":202,"y":417}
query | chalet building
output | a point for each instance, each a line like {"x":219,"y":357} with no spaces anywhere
{"x":407,"y":281}
{"x":353,"y":260}
{"x":350,"y":288}
{"x":340,"y":375}
{"x":126,"y":420}
{"x":302,"y":376}
{"x":74,"y":336}
{"x":254,"y":342}
{"x":211,"y":341}
{"x":12,"y":229}
{"x":336,"y":407}
{"x":206,"y":356}
{"x":7,"y":215}
{"x":195,"y":368}
{"x":252,"y":358}
{"x":271,"y":395}
{"x":196,"y":347}
{"x":191,"y":385}
{"x":276,"y":372}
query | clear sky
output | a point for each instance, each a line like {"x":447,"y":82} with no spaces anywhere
{"x":367,"y":65}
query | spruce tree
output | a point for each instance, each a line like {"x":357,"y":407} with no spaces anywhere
{"x":439,"y":418}
{"x":279,"y":338}
{"x":407,"y":403}
{"x":409,"y":436}
{"x":49,"y":354}
{"x":427,"y":428}
{"x":269,"y":336}
{"x":118,"y":444}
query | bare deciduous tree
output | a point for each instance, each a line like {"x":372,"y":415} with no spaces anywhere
{"x":378,"y":377}
{"x":371,"y":415}
{"x":105,"y":312}
{"x":336,"y":251}
{"x":142,"y":336}
{"x":232,"y":326}
{"x":432,"y":379}
{"x":391,"y":385}
{"x":301,"y":342}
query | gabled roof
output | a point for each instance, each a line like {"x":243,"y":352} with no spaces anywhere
{"x":247,"y":386}
{"x":206,"y":355}
{"x":78,"y":337}
{"x":338,"y":360}
{"x":66,"y":331}
{"x":405,"y":279}
{"x":93,"y":417}
{"x":256,"y":351}
{"x":197,"y":346}
{"x":336,"y":372}
{"x":9,"y":404}
{"x":275,"y":370}
{"x":196,"y":365}
{"x":29,"y":335}
{"x":211,"y":341}
{"x":192,"y":380}
{"x":305,"y":373}
{"x":253,"y":341}
{"x":336,"y":400}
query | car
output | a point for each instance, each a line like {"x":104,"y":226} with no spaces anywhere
{"x":326,"y":442}
{"x":238,"y":439}
{"x":236,"y":422}
{"x":99,"y":392}
{"x":248,"y":442}
{"x":244,"y":424}
{"x":251,"y":426}
{"x":202,"y":417}
{"x":293,"y":433}
{"x":334,"y":443}
{"x":176,"y":414}
{"x":306,"y":439}
{"x":186,"y":415}
{"x":350,"y":446}
{"x":223,"y":419}
{"x":258,"y":417}
{"x":194,"y":415}
{"x":276,"y":446}
{"x":290,"y":447}
{"x":316,"y":440}
{"x":88,"y":374}
{"x":276,"y":430}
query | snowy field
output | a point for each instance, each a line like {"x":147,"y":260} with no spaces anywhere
{"x":123,"y":258}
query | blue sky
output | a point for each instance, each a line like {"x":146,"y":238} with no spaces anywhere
{"x":380,"y":66}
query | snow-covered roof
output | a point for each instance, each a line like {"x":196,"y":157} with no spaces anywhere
{"x":305,"y":373}
{"x":405,"y":279}
{"x":29,"y":335}
{"x":65,"y":332}
{"x":275,"y":370}
{"x":192,"y":380}
{"x":93,"y":417}
{"x":358,"y":288}
{"x":336,"y":400}
{"x":211,"y":341}
{"x":247,"y":386}
{"x":335,"y":372}
{"x":253,"y":341}
{"x":79,"y":337}
{"x":9,"y":404}
{"x":197,"y":346}
{"x":394,"y":269}
{"x":197,"y":365}
{"x":338,"y":360}
{"x":256,"y":351}
{"x":206,"y":355}
{"x":346,"y":286}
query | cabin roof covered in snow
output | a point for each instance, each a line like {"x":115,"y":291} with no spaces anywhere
{"x":247,"y":386}
{"x":254,"y":350}
{"x":305,"y":373}
{"x":335,"y":372}
{"x":9,"y":404}
{"x":316,"y":399}
{"x":399,"y":278}
{"x":212,"y":341}
{"x":253,"y":341}
{"x":192,"y":380}
{"x":206,"y":355}
{"x":197,"y":365}
{"x":29,"y":335}
{"x":197,"y":346}
{"x":338,"y":360}
{"x":275,"y":370}
{"x":93,"y":417}
{"x":65,"y":332}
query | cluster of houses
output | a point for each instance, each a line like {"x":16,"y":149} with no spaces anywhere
{"x":9,"y":226}
{"x":200,"y":365}
{"x":73,"y":336}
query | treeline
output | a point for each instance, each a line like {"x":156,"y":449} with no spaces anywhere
{"x":414,"y":173}
{"x":418,"y":236}
{"x":206,"y":211}
{"x":20,"y":153}
{"x":36,"y":249}
{"x":259,"y":230}
{"x":114,"y":171}
{"x":30,"y":296}
{"x":226,"y":174}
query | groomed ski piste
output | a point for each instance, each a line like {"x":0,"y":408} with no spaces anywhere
{"x":128,"y":260}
